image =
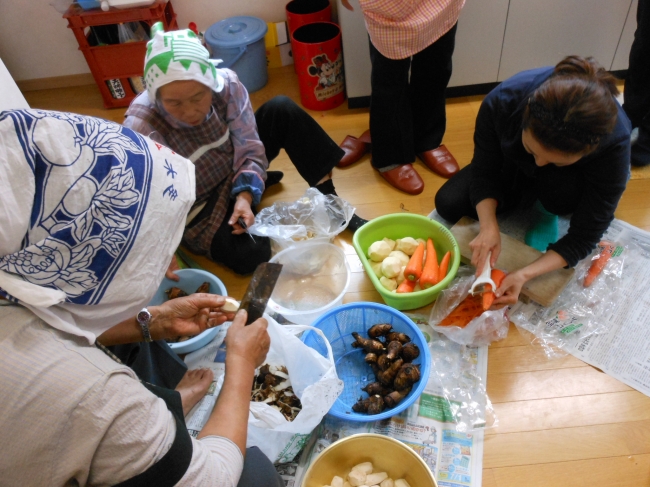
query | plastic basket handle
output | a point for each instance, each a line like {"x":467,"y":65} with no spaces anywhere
{"x":242,"y":51}
{"x":298,"y":328}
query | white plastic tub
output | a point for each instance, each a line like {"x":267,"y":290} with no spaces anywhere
{"x":315,"y":277}
{"x":125,"y":3}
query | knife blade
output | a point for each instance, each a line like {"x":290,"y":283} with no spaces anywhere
{"x":259,"y":290}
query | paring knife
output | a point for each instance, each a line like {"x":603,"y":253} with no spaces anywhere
{"x":259,"y":290}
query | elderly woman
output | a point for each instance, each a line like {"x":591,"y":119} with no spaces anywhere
{"x":553,"y":137}
{"x":204,"y":114}
{"x":92,"y":213}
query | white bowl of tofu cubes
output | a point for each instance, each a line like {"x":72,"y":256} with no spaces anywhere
{"x":368,"y":460}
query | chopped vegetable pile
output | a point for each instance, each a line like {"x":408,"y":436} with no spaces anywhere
{"x":362,"y":475}
{"x":273,"y":387}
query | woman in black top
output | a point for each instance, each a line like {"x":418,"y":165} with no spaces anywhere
{"x":552,"y":135}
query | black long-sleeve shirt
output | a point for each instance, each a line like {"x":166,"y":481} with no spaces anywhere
{"x":500,"y":162}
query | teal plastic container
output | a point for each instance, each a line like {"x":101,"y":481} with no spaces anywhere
{"x":400,"y":225}
{"x":239,"y":43}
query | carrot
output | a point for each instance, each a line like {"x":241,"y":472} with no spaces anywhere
{"x":444,"y":265}
{"x":413,"y":269}
{"x":488,"y":296}
{"x":430,"y":273}
{"x":406,"y":286}
{"x":598,"y":264}
{"x":468,"y":309}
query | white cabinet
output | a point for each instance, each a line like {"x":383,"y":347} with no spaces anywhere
{"x":622,"y":56}
{"x":541,"y":33}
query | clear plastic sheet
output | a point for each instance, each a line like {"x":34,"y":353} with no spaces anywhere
{"x":578,"y":312}
{"x":456,"y":369}
{"x":490,"y":327}
{"x":313,"y":217}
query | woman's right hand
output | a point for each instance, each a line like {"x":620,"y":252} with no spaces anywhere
{"x":248,"y":343}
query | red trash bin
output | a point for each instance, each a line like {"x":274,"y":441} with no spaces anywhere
{"x":318,"y":57}
{"x":301,"y":12}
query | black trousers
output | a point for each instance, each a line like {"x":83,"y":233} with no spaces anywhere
{"x":407,"y":114}
{"x":560,"y":194}
{"x":637,"y":85}
{"x":281,"y":124}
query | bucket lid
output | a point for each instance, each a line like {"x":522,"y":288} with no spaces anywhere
{"x":236,"y":31}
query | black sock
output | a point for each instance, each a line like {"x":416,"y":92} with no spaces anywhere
{"x":326,"y":187}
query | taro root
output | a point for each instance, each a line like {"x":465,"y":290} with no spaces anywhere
{"x":395,"y":397}
{"x":371,"y":358}
{"x":361,"y":406}
{"x":376,"y":388}
{"x":393,"y":350}
{"x":203,"y":288}
{"x":400,"y":337}
{"x":410,"y":352}
{"x":383,"y":362}
{"x":379,"y":330}
{"x":367,"y":344}
{"x":375,"y":404}
{"x":175,"y":292}
{"x":387,"y":376}
{"x":407,"y":375}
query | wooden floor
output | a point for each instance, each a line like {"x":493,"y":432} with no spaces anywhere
{"x":561,"y":422}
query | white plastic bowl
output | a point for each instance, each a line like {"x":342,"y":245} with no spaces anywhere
{"x":190,"y":280}
{"x":315,"y":277}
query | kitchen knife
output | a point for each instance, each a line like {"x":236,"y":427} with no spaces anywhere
{"x":259,"y":290}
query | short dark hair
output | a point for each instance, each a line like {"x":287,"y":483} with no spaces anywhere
{"x":574,"y":108}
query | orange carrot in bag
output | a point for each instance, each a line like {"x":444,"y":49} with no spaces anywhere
{"x":598,"y":263}
{"x":413,"y":269}
{"x":468,"y":309}
{"x":406,"y":286}
{"x":430,"y":273}
{"x":488,"y":296}
{"x":444,"y":265}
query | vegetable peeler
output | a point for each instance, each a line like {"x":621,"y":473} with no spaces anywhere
{"x":484,"y":278}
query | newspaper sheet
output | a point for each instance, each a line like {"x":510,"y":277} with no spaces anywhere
{"x":622,"y":347}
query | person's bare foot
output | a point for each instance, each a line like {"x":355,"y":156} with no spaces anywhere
{"x":193,"y":386}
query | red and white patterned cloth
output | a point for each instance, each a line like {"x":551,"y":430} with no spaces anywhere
{"x":402,"y":28}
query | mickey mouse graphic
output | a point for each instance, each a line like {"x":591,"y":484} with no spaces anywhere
{"x":325,"y":70}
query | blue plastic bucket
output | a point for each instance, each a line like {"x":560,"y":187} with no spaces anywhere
{"x":239,"y":42}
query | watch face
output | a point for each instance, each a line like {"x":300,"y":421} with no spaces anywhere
{"x":143,"y":316}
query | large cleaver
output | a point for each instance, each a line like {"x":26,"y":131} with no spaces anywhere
{"x":259,"y":290}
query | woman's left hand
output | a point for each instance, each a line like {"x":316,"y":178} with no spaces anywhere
{"x":187,"y":316}
{"x":508,"y":292}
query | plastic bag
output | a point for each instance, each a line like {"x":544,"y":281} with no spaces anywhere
{"x":456,"y":368}
{"x":314,"y":380}
{"x":131,"y":32}
{"x":578,"y":312}
{"x":313,"y":217}
{"x":491,"y":326}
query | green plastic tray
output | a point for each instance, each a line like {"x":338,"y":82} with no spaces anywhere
{"x":400,"y":225}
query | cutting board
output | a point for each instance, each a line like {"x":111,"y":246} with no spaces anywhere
{"x":514,"y":255}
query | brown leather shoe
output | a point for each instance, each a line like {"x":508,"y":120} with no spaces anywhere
{"x":404,"y":178}
{"x":440,"y":161}
{"x":354,"y":148}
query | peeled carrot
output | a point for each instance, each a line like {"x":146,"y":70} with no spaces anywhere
{"x":413,"y":269}
{"x":406,"y":286}
{"x":444,"y":265}
{"x":430,"y":273}
{"x":468,"y":309}
{"x":488,"y":296}
{"x":598,"y":264}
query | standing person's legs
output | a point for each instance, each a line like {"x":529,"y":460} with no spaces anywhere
{"x":259,"y":471}
{"x":637,"y":85}
{"x":452,"y":199}
{"x":430,"y":74}
{"x":391,"y":121}
{"x":282,"y":124}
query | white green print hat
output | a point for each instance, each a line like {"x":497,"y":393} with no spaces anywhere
{"x":178,"y":56}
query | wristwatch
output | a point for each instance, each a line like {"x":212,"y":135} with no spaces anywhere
{"x":144,"y":318}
